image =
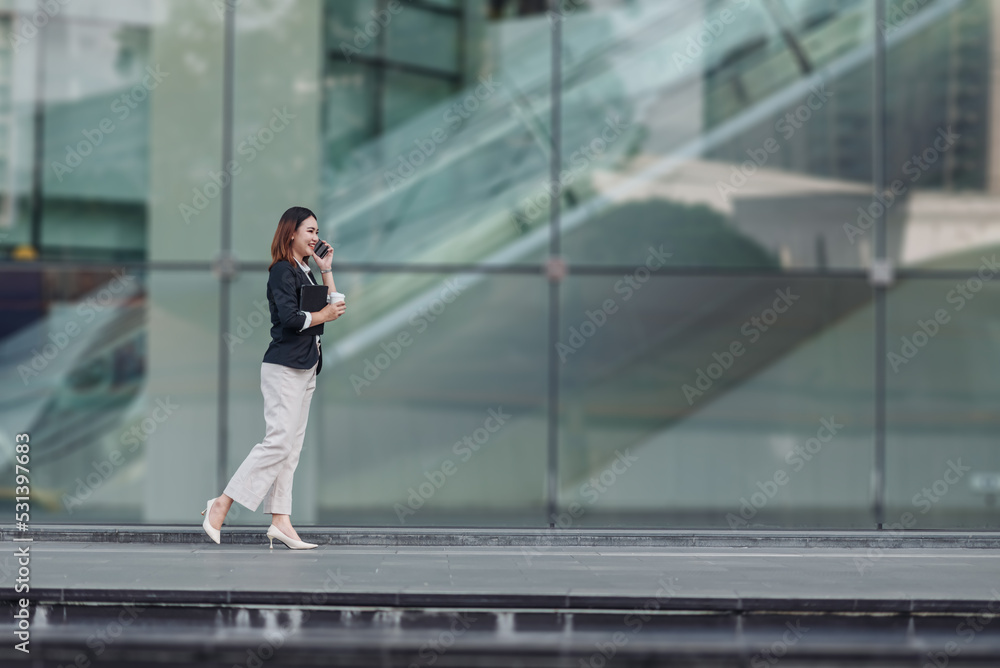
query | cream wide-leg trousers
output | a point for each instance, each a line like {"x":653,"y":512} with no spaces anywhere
{"x":266,"y":474}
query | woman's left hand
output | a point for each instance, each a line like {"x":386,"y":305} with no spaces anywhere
{"x":324,"y":262}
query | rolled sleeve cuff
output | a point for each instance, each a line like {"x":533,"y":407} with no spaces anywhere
{"x":309,"y":319}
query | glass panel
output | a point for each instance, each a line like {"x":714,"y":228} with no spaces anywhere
{"x":741,"y":130}
{"x":276,"y":148}
{"x":943,"y":88}
{"x":426,"y":38}
{"x":445,"y":3}
{"x":352,"y":28}
{"x":710,"y":134}
{"x":117,"y":410}
{"x":84,"y":86}
{"x":943,"y":349}
{"x":349,"y":111}
{"x":94,"y":75}
{"x":14,"y":179}
{"x":431,"y":405}
{"x":183,"y":371}
{"x":186,"y":132}
{"x":513,"y":8}
{"x":407,"y":95}
{"x":716,"y":402}
{"x":74,"y":365}
{"x":445,"y":165}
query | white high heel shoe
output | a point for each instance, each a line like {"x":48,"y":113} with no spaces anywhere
{"x":273,"y":532}
{"x":212,"y":532}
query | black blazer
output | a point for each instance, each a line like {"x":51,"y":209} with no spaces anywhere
{"x":290,"y":347}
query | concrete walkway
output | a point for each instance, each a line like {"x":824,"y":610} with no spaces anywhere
{"x":827,"y":579}
{"x":150,"y":603}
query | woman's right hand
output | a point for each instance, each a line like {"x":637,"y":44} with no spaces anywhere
{"x":331,"y":312}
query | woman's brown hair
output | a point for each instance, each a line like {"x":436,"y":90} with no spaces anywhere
{"x":281,"y":245}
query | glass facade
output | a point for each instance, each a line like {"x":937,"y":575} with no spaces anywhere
{"x":610,"y":263}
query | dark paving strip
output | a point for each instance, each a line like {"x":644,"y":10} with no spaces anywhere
{"x":235,"y":635}
{"x":467,"y":600}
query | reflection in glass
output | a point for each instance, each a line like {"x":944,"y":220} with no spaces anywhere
{"x":731,"y":140}
{"x":706,"y":387}
{"x":452,"y":381}
{"x":755,"y":111}
{"x":444,"y":136}
{"x":942,"y":92}
{"x":943,"y":349}
{"x":95,"y":118}
{"x":73,"y":376}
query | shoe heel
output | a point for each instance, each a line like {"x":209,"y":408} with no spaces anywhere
{"x":212,"y":532}
{"x":272,"y":541}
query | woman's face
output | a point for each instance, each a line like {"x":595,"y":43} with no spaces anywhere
{"x":304,"y":238}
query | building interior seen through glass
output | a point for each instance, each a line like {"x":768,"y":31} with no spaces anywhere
{"x":609,"y":263}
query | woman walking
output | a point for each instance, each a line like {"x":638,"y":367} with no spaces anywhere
{"x":287,"y":380}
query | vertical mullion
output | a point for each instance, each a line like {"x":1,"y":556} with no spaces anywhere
{"x":226,"y":273}
{"x":879,"y":177}
{"x":379,"y":71}
{"x":463,"y":45}
{"x":555,"y":160}
{"x":38,"y":168}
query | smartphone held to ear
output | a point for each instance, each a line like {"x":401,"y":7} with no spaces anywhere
{"x":322,"y":249}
